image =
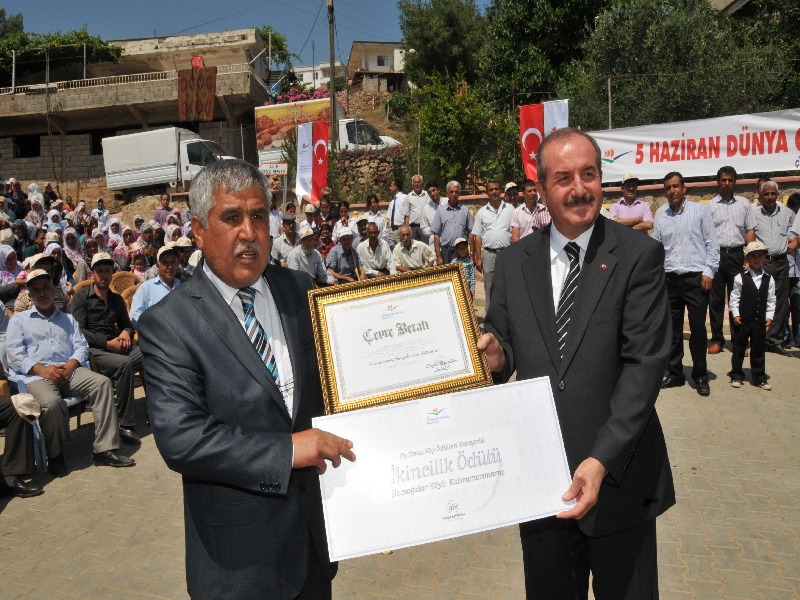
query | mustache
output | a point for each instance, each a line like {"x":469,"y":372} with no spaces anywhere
{"x":242,"y":247}
{"x":578,"y":200}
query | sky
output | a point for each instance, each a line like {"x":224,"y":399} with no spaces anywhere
{"x":302,"y":21}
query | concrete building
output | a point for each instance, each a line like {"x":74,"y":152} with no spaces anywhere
{"x":318,"y":75}
{"x":376,"y":66}
{"x":139,"y":92}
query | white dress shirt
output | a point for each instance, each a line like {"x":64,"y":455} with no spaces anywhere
{"x":416,"y":205}
{"x":270,"y":319}
{"x":736,"y":293}
{"x":559,"y":261}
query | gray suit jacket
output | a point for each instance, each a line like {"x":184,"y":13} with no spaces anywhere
{"x":220,"y":421}
{"x":606,"y":386}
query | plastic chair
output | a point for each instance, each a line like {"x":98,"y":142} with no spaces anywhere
{"x":127,"y":295}
{"x":122,"y":280}
{"x":39,"y":447}
{"x":79,"y":286}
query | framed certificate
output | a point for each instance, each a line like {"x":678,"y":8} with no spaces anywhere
{"x":396,"y":338}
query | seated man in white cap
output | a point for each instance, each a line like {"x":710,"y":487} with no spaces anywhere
{"x":103,"y":318}
{"x":307,"y":258}
{"x":410,"y":254}
{"x":309,"y":212}
{"x":184,"y":248}
{"x":153,"y":290}
{"x":45,"y":262}
{"x":47,"y":349}
{"x":342,"y":262}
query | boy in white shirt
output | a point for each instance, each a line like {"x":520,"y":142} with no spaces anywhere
{"x":752,"y":305}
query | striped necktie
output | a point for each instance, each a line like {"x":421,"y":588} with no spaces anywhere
{"x":258,"y":337}
{"x":567,"y":295}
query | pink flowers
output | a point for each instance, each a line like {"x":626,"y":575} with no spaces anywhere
{"x":299,"y":94}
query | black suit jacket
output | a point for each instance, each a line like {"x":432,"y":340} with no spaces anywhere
{"x":220,"y":421}
{"x":606,"y":386}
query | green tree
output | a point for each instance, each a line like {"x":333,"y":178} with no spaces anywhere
{"x":527,"y":43}
{"x":64,"y":49}
{"x":280,"y":50}
{"x":663,"y":69}
{"x":10,"y":24}
{"x":441,"y":37}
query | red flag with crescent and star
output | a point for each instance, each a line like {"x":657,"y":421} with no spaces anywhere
{"x":319,"y":170}
{"x":536,"y":121}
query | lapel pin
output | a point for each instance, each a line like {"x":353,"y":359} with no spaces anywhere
{"x":603,"y":266}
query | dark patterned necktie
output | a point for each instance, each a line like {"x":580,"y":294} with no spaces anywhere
{"x":258,"y":337}
{"x":567,"y":298}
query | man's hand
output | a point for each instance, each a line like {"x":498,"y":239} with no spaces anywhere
{"x":705,"y":283}
{"x":313,"y":446}
{"x":585,"y":487}
{"x":439,"y":259}
{"x":69,"y":368}
{"x":769,"y":323}
{"x":54,"y":373}
{"x":495,"y":355}
{"x":737,"y":321}
{"x":479,"y":264}
{"x":115,"y":346}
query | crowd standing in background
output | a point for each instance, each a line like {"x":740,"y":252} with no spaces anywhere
{"x":727,"y":256}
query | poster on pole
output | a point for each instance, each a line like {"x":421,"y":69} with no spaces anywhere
{"x":752,"y":143}
{"x":536,"y":121}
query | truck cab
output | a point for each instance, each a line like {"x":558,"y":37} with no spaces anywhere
{"x":357,"y":134}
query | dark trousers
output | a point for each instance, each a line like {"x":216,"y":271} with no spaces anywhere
{"x":730,"y":265}
{"x":794,"y":302}
{"x":685,"y":293}
{"x":558,"y":558}
{"x":317,"y":585}
{"x":756,"y":334}
{"x":779,"y":269}
{"x":119,"y":369}
{"x":448,"y":254}
{"x":18,"y":458}
{"x":416,"y":232}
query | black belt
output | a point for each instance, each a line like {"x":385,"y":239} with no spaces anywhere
{"x":776,"y":257}
{"x":414,"y":224}
{"x":731,"y":249}
{"x":495,"y":250}
{"x":396,"y":227}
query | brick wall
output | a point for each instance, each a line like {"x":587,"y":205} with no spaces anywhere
{"x":84,"y":176}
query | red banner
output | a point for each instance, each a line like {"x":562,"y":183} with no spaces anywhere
{"x":531,"y":134}
{"x":319,"y":171}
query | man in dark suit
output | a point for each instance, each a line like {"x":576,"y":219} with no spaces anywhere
{"x":232,"y":380}
{"x":594,"y":318}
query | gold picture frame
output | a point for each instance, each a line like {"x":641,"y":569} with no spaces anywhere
{"x":431,"y":350}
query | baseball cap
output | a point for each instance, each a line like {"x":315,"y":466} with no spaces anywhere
{"x":755,"y":247}
{"x":460,"y":241}
{"x":165,"y":249}
{"x":31,"y":262}
{"x":510,"y":185}
{"x":309,"y":208}
{"x":37,"y":274}
{"x":51,"y":236}
{"x":345,"y":231}
{"x":305,"y":232}
{"x":183,"y":242}
{"x":629,"y":177}
{"x":288,"y":217}
{"x":362,"y":219}
{"x":101,"y":257}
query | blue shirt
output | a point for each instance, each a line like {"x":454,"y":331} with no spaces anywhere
{"x":452,"y":223}
{"x":149,"y":294}
{"x":35,"y":339}
{"x":689,"y":238}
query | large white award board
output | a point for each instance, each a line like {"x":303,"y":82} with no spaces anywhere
{"x":446,"y":466}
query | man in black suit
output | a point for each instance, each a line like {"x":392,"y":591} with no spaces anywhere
{"x":594,"y":318}
{"x":232,"y":380}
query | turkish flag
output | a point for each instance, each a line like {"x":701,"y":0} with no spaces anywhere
{"x":319,"y":171}
{"x":536,"y":121}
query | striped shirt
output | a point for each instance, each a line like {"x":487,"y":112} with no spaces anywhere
{"x":689,"y":239}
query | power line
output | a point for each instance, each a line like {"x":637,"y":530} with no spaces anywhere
{"x":312,"y":27}
{"x":220,"y":19}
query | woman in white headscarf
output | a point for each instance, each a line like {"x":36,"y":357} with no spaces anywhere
{"x":114,"y":232}
{"x":36,"y":214}
{"x":173,"y":233}
{"x":34,"y":193}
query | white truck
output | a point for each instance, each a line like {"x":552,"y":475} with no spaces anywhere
{"x":152,"y":162}
{"x":276,"y":122}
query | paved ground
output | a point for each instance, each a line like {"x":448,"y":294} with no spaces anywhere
{"x":735,"y":532}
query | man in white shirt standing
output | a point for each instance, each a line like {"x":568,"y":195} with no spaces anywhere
{"x":417,"y":200}
{"x":492,"y":234}
{"x":345,"y":221}
{"x":398,"y":211}
{"x":429,"y":213}
{"x":373,"y":215}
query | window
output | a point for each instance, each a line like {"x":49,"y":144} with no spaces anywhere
{"x":201,"y":154}
{"x":316,"y":75}
{"x":97,"y":139}
{"x":27,"y":146}
{"x":362,"y":133}
{"x":383,"y":61}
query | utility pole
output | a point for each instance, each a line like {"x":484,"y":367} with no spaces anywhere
{"x":13,"y":71}
{"x":84,"y":60}
{"x":332,"y":83}
{"x":609,"y":102}
{"x":313,"y":68}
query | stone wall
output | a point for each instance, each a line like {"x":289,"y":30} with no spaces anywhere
{"x":363,"y":172}
{"x":358,"y":102}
